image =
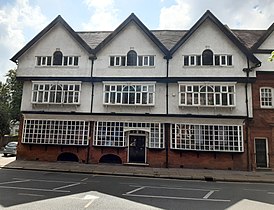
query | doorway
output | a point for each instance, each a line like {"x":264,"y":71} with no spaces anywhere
{"x":137,"y":149}
{"x":261,"y":153}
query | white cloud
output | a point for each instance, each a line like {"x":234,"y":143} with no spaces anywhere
{"x":15,"y":20}
{"x":252,"y":14}
{"x":104,"y":15}
{"x":176,"y":16}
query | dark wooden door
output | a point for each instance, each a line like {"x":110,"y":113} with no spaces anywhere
{"x":261,"y":153}
{"x":137,"y":149}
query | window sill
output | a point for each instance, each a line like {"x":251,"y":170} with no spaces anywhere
{"x":215,"y":107}
{"x":131,"y":67}
{"x":58,"y":67}
{"x":208,"y":66}
{"x":130,"y":105}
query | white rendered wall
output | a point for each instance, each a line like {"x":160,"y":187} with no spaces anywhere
{"x":208,"y":36}
{"x":57,"y":37}
{"x":84,"y":106}
{"x":131,"y":38}
{"x":158,"y":108}
{"x":238,"y":110}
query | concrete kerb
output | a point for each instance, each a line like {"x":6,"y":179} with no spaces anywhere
{"x":150,"y":174}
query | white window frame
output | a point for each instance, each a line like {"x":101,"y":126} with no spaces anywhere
{"x":148,"y":57}
{"x":190,"y":92}
{"x":201,"y":64}
{"x":51,"y":63}
{"x":116,"y":133}
{"x":43,"y":93}
{"x":116,"y":91}
{"x":270,"y":97}
{"x":207,"y":137}
{"x":56,"y":132}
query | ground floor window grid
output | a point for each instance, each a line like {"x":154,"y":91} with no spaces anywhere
{"x":225,"y":138}
{"x":59,"y":132}
{"x":114,"y":133}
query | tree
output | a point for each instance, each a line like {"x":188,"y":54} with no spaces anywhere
{"x":4,"y":110}
{"x":15,"y":89}
{"x":271,"y":58}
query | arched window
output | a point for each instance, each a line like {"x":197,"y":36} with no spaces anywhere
{"x":128,"y":95}
{"x":55,"y":94}
{"x":207,"y":57}
{"x":131,"y":58}
{"x":57,"y":58}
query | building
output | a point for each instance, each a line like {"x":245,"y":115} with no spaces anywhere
{"x":162,"y":98}
{"x":262,"y":130}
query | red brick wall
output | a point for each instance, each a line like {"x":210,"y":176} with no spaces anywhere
{"x":262,"y":124}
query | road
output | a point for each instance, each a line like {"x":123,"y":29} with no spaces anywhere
{"x":22,"y":189}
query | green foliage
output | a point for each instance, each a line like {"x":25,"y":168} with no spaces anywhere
{"x":15,"y":88}
{"x":271,"y":58}
{"x":4,"y":110}
{"x":10,"y":101}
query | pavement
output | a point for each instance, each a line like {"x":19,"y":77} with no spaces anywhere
{"x":140,"y":171}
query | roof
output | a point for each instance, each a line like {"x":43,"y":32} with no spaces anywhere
{"x":167,"y":40}
{"x":170,"y":37}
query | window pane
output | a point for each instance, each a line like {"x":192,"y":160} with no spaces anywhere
{"x":144,"y":98}
{"x":65,"y":60}
{"x":38,"y":63}
{"x":48,"y":60}
{"x":145,"y":60}
{"x":198,"y":60}
{"x":123,"y":60}
{"x":229,"y":60}
{"x":151,"y":60}
{"x":140,"y":60}
{"x":76,"y":60}
{"x":57,"y":58}
{"x":132,"y":58}
{"x":111,"y":61}
{"x":186,"y":61}
{"x":217,"y":60}
{"x":207,"y":56}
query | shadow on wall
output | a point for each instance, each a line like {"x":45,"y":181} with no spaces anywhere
{"x":110,"y":158}
{"x":67,"y":156}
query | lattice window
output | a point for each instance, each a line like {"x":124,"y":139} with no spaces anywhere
{"x":266,"y":97}
{"x":59,"y":132}
{"x":225,"y":138}
{"x":114,"y":133}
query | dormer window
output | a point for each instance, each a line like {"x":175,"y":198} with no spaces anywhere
{"x":131,"y":58}
{"x":57,"y":58}
{"x":207,"y":57}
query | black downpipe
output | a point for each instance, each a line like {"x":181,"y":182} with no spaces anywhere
{"x":91,"y":103}
{"x":166,"y":125}
{"x":247,"y":71}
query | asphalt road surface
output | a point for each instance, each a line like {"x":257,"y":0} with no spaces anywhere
{"x":23,"y":189}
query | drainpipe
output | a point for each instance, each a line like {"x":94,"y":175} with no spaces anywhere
{"x":167,"y":136}
{"x":92,"y":58}
{"x":247,"y":71}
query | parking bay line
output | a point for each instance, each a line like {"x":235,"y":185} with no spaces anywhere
{"x":178,"y":198}
{"x":70,"y":185}
{"x":35,"y":189}
{"x":205,"y":198}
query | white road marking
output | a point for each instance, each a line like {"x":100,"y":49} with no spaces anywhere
{"x":255,"y":190}
{"x":70,"y":185}
{"x":176,"y":188}
{"x":133,"y":191}
{"x":43,"y":180}
{"x":178,"y":198}
{"x":28,"y":194}
{"x":209,"y":194}
{"x":91,"y":198}
{"x":35,"y":189}
{"x":85,"y":179}
{"x":19,"y":181}
{"x":272,"y":193}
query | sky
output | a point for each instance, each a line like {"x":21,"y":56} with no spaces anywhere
{"x":21,"y":20}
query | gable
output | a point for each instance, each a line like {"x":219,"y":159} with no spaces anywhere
{"x":57,"y":20}
{"x":268,"y":42}
{"x":225,"y":30}
{"x":130,"y":38}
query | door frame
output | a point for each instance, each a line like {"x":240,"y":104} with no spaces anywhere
{"x":145,"y":145}
{"x":266,"y":150}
